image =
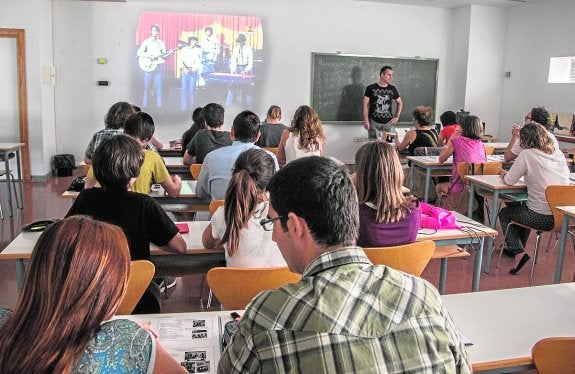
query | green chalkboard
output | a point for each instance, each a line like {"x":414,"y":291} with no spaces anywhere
{"x":339,"y":81}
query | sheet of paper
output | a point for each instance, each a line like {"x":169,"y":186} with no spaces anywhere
{"x":401,"y":131}
{"x":194,"y":343}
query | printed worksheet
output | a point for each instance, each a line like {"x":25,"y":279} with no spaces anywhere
{"x":195,"y":343}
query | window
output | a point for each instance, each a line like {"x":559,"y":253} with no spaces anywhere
{"x":561,"y":70}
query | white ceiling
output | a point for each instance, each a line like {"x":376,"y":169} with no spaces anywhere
{"x":455,"y":3}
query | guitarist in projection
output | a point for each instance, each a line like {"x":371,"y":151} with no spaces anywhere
{"x":151,"y":54}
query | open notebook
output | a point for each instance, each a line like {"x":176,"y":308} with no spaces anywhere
{"x":400,"y":133}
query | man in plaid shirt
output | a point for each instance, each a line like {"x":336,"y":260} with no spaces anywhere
{"x":346,"y":315}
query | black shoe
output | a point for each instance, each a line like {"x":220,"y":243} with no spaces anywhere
{"x":509,"y":253}
{"x":521,"y":263}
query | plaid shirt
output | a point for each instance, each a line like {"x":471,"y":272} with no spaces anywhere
{"x":99,"y":137}
{"x":347,"y":315}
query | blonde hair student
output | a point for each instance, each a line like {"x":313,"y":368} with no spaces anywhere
{"x":236,"y":225}
{"x":75,"y":282}
{"x":386,"y":216}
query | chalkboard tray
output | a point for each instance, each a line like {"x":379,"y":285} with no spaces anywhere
{"x":339,"y":81}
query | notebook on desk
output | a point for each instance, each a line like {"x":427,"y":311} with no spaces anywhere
{"x":400,"y":133}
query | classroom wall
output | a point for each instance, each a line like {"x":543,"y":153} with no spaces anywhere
{"x":72,"y":34}
{"x":35,"y":17}
{"x":84,"y":31}
{"x":536,"y":32}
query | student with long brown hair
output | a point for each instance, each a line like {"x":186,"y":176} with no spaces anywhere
{"x":304,"y":138}
{"x":386,"y":216}
{"x":236,"y":225}
{"x":75,"y":282}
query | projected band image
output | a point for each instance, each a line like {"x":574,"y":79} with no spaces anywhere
{"x":186,"y":60}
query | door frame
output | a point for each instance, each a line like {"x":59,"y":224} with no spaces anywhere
{"x":19,"y":36}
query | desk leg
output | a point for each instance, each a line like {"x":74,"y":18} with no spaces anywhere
{"x":427,"y":180}
{"x":20,"y":181}
{"x":20,"y":273}
{"x":411,"y":176}
{"x":471,"y":199}
{"x":442,"y":276}
{"x":493,"y":224}
{"x":561,"y":251}
{"x":7,"y":166}
{"x":477,"y":267}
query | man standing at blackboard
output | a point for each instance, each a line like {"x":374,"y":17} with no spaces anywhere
{"x":377,"y":104}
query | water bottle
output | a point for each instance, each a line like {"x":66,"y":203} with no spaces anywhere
{"x":379,"y":135}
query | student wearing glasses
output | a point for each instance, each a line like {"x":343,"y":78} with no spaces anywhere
{"x":538,"y":115}
{"x":236,"y":225}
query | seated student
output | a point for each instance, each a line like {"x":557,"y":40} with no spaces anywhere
{"x":217,"y":167}
{"x":114,"y":121}
{"x":386,"y":217}
{"x":538,"y":115}
{"x":271,"y":129}
{"x":540,"y":164}
{"x":117,"y":162}
{"x":304,"y":138}
{"x":198,"y":123}
{"x":75,"y":281}
{"x":236,"y":225}
{"x":141,"y":127}
{"x":449,"y":125}
{"x":210,"y":138}
{"x":424,"y":134}
{"x":465,"y":145}
{"x":346,"y":315}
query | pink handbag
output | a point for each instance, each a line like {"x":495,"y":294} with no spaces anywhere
{"x":433,"y":217}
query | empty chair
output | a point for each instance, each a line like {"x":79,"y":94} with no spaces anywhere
{"x":141,"y":274}
{"x":409,"y":258}
{"x":236,"y":287}
{"x":214,"y":205}
{"x":195,"y":170}
{"x":554,"y":355}
{"x":489,"y":150}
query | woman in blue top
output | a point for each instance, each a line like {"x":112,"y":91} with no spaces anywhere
{"x":75,"y":282}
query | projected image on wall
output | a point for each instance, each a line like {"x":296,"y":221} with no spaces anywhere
{"x":186,"y":60}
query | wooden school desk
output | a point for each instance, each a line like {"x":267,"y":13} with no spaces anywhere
{"x":503,"y":325}
{"x":197,"y":257}
{"x":171,"y":152}
{"x":168,"y":264}
{"x":569,"y":215}
{"x":495,"y":185}
{"x":432,"y":167}
{"x":187,"y":197}
{"x":175,"y":165}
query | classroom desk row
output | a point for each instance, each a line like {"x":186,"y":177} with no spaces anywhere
{"x":187,"y":199}
{"x":197,"y":257}
{"x":502,"y":326}
{"x":494,"y":184}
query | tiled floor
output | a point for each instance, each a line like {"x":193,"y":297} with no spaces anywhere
{"x":42,"y":200}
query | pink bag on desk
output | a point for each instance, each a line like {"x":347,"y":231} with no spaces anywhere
{"x":433,"y":217}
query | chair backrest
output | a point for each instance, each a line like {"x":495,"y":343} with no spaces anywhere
{"x":236,"y":287}
{"x":469,"y":168}
{"x":273,"y":150}
{"x":409,"y":258}
{"x":195,"y":170}
{"x":554,"y":355}
{"x":142,"y":272}
{"x":214,"y":205}
{"x":489,"y":150}
{"x":559,"y":196}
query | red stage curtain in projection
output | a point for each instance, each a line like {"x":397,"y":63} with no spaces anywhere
{"x":179,"y":26}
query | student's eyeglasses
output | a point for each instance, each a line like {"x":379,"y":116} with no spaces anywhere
{"x":268,"y":223}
